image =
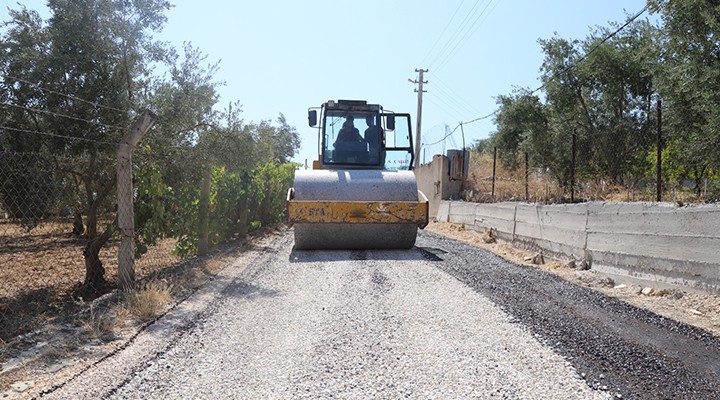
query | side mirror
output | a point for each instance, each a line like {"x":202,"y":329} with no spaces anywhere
{"x":390,"y":123}
{"x":312,"y":117}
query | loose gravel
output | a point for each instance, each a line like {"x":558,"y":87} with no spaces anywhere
{"x":443,"y":320}
{"x":340,"y":324}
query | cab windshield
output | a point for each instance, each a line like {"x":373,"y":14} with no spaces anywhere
{"x":352,"y":138}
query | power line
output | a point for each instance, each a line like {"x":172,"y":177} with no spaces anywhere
{"x":462,"y":123}
{"x":94,"y":104}
{"x":444,"y":137}
{"x":479,"y":118}
{"x":450,"y":110}
{"x":469,"y":106}
{"x":433,"y":132}
{"x":452,"y":101}
{"x":58,"y":136}
{"x":608,"y":37}
{"x":468,"y":33}
{"x":437,"y":127}
{"x":62,"y":115}
{"x":573,"y":65}
{"x":442,"y":33}
{"x":457,"y":31}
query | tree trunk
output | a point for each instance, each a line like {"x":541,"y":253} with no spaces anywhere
{"x":95,"y":283}
{"x":204,"y":212}
{"x":92,"y":209}
{"x":243,"y":222}
{"x":699,"y":174}
{"x":265,"y":206}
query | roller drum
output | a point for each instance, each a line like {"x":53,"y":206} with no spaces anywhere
{"x":355,"y":185}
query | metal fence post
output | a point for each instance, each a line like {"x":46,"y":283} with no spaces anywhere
{"x":493,"y":175}
{"x":527,"y":178}
{"x":126,"y":216}
{"x":204,"y":212}
{"x":572,"y":168}
{"x":659,"y":151}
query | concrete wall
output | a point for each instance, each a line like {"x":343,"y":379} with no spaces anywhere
{"x":428,"y":177}
{"x":433,"y":179}
{"x":651,"y":244}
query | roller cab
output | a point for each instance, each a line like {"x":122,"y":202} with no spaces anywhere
{"x":361,"y":193}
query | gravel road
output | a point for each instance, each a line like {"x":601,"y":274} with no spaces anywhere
{"x":443,"y":320}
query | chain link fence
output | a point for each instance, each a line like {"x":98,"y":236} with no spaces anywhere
{"x":61,"y":232}
{"x":44,"y":241}
{"x":495,"y":176}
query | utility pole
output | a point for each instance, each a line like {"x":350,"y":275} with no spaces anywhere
{"x":419,"y":91}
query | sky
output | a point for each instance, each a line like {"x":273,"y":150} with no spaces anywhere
{"x":286,"y":56}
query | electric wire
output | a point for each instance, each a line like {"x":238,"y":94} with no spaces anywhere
{"x":459,"y":116}
{"x":58,"y":136}
{"x":608,"y":37}
{"x":452,"y":100}
{"x":442,"y":33}
{"x":61,"y":115}
{"x":444,"y":137}
{"x":457,"y":31}
{"x":468,"y":34}
{"x":568,"y":68}
{"x":436,"y":79}
{"x":451,"y":40}
{"x":424,"y":134}
{"x":95,"y":104}
{"x":479,"y":118}
{"x":434,"y":132}
{"x":458,"y":125}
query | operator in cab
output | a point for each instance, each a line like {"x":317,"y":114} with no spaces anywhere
{"x":348,"y":133}
{"x":349,"y":144}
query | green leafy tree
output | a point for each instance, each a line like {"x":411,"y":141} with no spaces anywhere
{"x":274,"y":143}
{"x":618,"y":92}
{"x":274,"y":181}
{"x":522,"y":123}
{"x":689,"y":81}
{"x":603,"y":90}
{"x":568,"y":111}
{"x":600,"y":89}
{"x":481,"y":145}
{"x":79,"y":76}
{"x":194,"y":146}
{"x":23,"y":195}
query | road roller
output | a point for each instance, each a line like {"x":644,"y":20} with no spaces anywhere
{"x":361,"y":192}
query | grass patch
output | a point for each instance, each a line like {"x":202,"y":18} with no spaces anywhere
{"x":98,"y":325}
{"x":147,"y":302}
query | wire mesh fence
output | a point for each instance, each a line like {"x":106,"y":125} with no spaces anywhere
{"x":494,"y":176}
{"x":45,"y":235}
{"x":60,"y":234}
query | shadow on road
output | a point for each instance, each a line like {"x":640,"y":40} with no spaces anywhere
{"x":414,"y":254}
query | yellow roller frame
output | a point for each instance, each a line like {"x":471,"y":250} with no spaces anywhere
{"x":358,"y":212}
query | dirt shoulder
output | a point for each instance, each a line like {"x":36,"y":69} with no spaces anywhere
{"x":65,"y":347}
{"x":700,"y":310}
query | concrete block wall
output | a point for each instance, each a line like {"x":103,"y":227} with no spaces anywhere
{"x":429,"y":181}
{"x":653,"y":244}
{"x":433,"y":179}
